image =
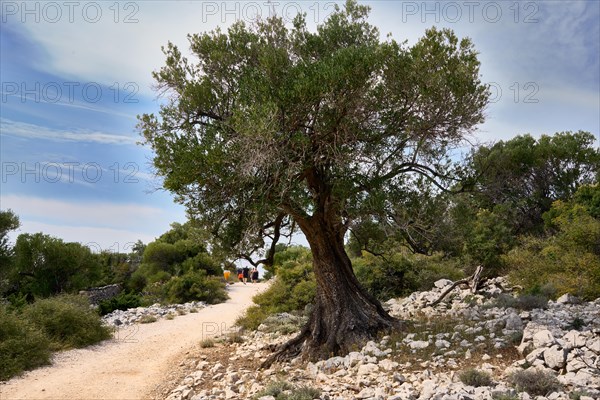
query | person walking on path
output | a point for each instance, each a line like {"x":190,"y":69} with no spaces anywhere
{"x":245,"y":272}
{"x":254,"y":275}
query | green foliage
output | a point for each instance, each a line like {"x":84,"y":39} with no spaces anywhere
{"x":569,"y":260}
{"x":195,"y":285}
{"x":402,"y":274}
{"x":252,"y":318}
{"x":525,"y":302}
{"x":207,"y":343}
{"x":475,"y":378}
{"x":535,"y":382}
{"x":45,"y":265}
{"x":123,"y":301}
{"x":576,"y":324}
{"x":489,"y":239}
{"x":22,"y":345}
{"x":137,"y":282}
{"x":68,"y":321}
{"x":176,"y":268}
{"x":9,"y":221}
{"x":504,"y":396}
{"x":250,"y":155}
{"x":148,"y":319}
{"x":163,"y":256}
{"x":283,"y":390}
{"x":292,"y":290}
{"x":526,"y":175}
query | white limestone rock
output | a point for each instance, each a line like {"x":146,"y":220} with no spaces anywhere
{"x":555,"y":357}
{"x":419,"y":344}
{"x":543,"y":338}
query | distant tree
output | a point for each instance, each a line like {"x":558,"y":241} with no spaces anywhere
{"x":568,"y":258}
{"x":525,"y":176}
{"x":179,"y":250}
{"x":9,"y":221}
{"x":274,"y":129}
{"x":45,"y":265}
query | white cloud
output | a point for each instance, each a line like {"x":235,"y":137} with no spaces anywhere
{"x":32,"y":131}
{"x":97,"y":239}
{"x":89,"y":213}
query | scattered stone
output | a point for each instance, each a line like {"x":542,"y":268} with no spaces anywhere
{"x":567,"y":298}
{"x":424,"y":365}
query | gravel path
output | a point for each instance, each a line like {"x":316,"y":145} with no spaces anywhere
{"x":135,"y":362}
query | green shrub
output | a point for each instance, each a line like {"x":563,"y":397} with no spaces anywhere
{"x":282,"y":390}
{"x":252,"y":318}
{"x":274,"y":389}
{"x":137,"y":282}
{"x":402,"y":274}
{"x":568,"y":259}
{"x":535,"y":382}
{"x":577,"y":395}
{"x":490,"y":237}
{"x":504,"y":396}
{"x":68,"y":321}
{"x":22,"y":346}
{"x":576,"y":324}
{"x":123,"y":301}
{"x":206,"y":343}
{"x":147,"y":319}
{"x":293,"y":289}
{"x":195,"y":286}
{"x":235,"y":337}
{"x":304,"y":393}
{"x":526,"y":302}
{"x":475,"y":378}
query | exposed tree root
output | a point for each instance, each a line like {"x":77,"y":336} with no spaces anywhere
{"x":315,"y":342}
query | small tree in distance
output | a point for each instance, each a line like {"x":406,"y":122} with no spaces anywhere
{"x":274,"y":129}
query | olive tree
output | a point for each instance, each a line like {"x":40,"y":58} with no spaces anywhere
{"x":269,"y":128}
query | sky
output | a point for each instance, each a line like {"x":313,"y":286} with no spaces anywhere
{"x":75,"y":74}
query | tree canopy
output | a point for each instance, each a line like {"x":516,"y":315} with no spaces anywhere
{"x":270,"y":128}
{"x":270,"y":122}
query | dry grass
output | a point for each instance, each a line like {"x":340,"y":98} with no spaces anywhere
{"x":147,"y":319}
{"x":454,"y":330}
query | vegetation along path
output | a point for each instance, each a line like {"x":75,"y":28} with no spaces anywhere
{"x":133,"y":364}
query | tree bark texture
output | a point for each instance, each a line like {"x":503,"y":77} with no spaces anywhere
{"x":344,"y":315}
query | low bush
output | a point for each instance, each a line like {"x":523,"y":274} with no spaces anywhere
{"x":534,"y":382}
{"x":123,"y":301}
{"x":282,"y":390}
{"x":402,"y":274}
{"x":68,"y":321}
{"x":235,"y":337}
{"x":252,"y":318}
{"x":504,"y":396}
{"x":525,"y":302}
{"x":475,"y":378}
{"x":293,"y":289}
{"x":148,"y":319}
{"x":568,"y":258}
{"x":22,"y":345}
{"x":195,"y":286}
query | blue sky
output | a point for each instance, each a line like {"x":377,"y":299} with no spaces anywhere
{"x":74,"y":76}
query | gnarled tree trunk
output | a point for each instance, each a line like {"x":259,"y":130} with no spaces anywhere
{"x":344,"y":314}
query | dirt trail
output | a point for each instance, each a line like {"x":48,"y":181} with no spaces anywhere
{"x":133,"y":364}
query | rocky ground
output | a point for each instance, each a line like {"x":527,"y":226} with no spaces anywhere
{"x":150,"y":314}
{"x":491,"y":345}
